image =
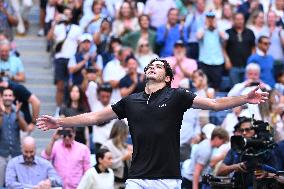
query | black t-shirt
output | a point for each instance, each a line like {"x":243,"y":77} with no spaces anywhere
{"x":22,"y":94}
{"x":154,"y":123}
{"x":239,"y":48}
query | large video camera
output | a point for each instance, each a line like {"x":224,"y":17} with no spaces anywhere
{"x":255,"y":149}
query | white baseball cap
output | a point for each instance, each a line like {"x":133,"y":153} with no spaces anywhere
{"x":85,"y":37}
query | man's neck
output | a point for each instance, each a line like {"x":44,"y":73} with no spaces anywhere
{"x":102,"y":169}
{"x":152,"y":86}
{"x":8,"y":109}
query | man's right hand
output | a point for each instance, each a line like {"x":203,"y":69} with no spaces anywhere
{"x":47,"y":122}
{"x":240,"y":167}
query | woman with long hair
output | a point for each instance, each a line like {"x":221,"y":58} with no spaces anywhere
{"x":257,"y":24}
{"x":126,"y":20}
{"x":76,"y":105}
{"x":121,"y":152}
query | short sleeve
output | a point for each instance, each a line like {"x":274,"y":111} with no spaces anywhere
{"x":203,"y":155}
{"x":229,"y":159}
{"x":119,"y":108}
{"x":186,"y":98}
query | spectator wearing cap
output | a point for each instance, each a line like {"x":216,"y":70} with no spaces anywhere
{"x":169,"y":33}
{"x":264,"y":60}
{"x":84,"y":59}
{"x":180,"y":64}
{"x":157,"y":10}
{"x":238,"y":47}
{"x":193,"y":22}
{"x":145,"y":32}
{"x":211,"y":56}
{"x":11,"y":67}
{"x":70,"y":159}
{"x":132,"y":82}
{"x":66,"y":37}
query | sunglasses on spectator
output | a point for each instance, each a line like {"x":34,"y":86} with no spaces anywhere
{"x":144,"y":45}
{"x":245,"y":129}
{"x":266,"y":43}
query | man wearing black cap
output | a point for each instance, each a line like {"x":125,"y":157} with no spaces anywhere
{"x":181,"y":65}
{"x":154,"y":117}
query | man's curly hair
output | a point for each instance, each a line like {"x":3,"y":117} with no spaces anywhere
{"x":168,"y":69}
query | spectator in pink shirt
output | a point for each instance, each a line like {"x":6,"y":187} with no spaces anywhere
{"x":70,"y":159}
{"x":181,"y":65}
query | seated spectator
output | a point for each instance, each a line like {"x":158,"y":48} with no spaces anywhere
{"x":121,"y":152}
{"x":132,"y":39}
{"x":8,"y":19}
{"x":132,"y":82}
{"x":100,"y":176}
{"x":70,"y":159}
{"x":201,"y":158}
{"x":264,"y":60}
{"x":199,"y":84}
{"x":84,"y":59}
{"x":113,"y":46}
{"x":12,"y":121}
{"x":126,"y":21}
{"x":158,"y":11}
{"x":75,"y":105}
{"x":251,"y":82}
{"x":18,"y":168}
{"x":144,"y":53}
{"x":210,"y":50}
{"x":258,"y":26}
{"x":91,"y":23}
{"x":169,"y":33}
{"x":180,"y":64}
{"x":11,"y":67}
{"x":279,"y":85}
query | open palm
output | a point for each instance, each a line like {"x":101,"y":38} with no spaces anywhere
{"x":47,"y":122}
{"x":257,"y":97}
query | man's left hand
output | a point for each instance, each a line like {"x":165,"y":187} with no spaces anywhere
{"x":257,"y":97}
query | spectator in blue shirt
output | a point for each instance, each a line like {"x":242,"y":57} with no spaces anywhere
{"x":30,"y":171}
{"x":168,"y":34}
{"x":264,"y":60}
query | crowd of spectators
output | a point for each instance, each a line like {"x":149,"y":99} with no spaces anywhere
{"x":99,"y":50}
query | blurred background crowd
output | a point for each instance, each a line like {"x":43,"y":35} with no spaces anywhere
{"x":99,"y":49}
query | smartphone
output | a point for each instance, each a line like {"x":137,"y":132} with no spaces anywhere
{"x":91,"y":70}
{"x":255,"y":83}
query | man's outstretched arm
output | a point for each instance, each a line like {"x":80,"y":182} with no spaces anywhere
{"x":93,"y":118}
{"x":254,"y":97}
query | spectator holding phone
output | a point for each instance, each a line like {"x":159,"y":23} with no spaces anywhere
{"x":70,"y":159}
{"x":251,"y":82}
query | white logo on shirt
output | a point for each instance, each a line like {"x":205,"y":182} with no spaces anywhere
{"x":163,"y":105}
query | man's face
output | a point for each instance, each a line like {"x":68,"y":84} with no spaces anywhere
{"x":210,"y":22}
{"x":104,"y":97}
{"x":132,"y":66}
{"x":106,"y":162}
{"x":173,"y":16}
{"x":246,"y":130}
{"x":4,"y":52}
{"x":239,"y":21}
{"x":85,"y":45}
{"x":28,"y":153}
{"x":200,"y":5}
{"x":8,"y":97}
{"x":253,"y":75}
{"x":217,"y":142}
{"x":156,"y":72}
{"x":68,"y":139}
{"x":264,"y":44}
